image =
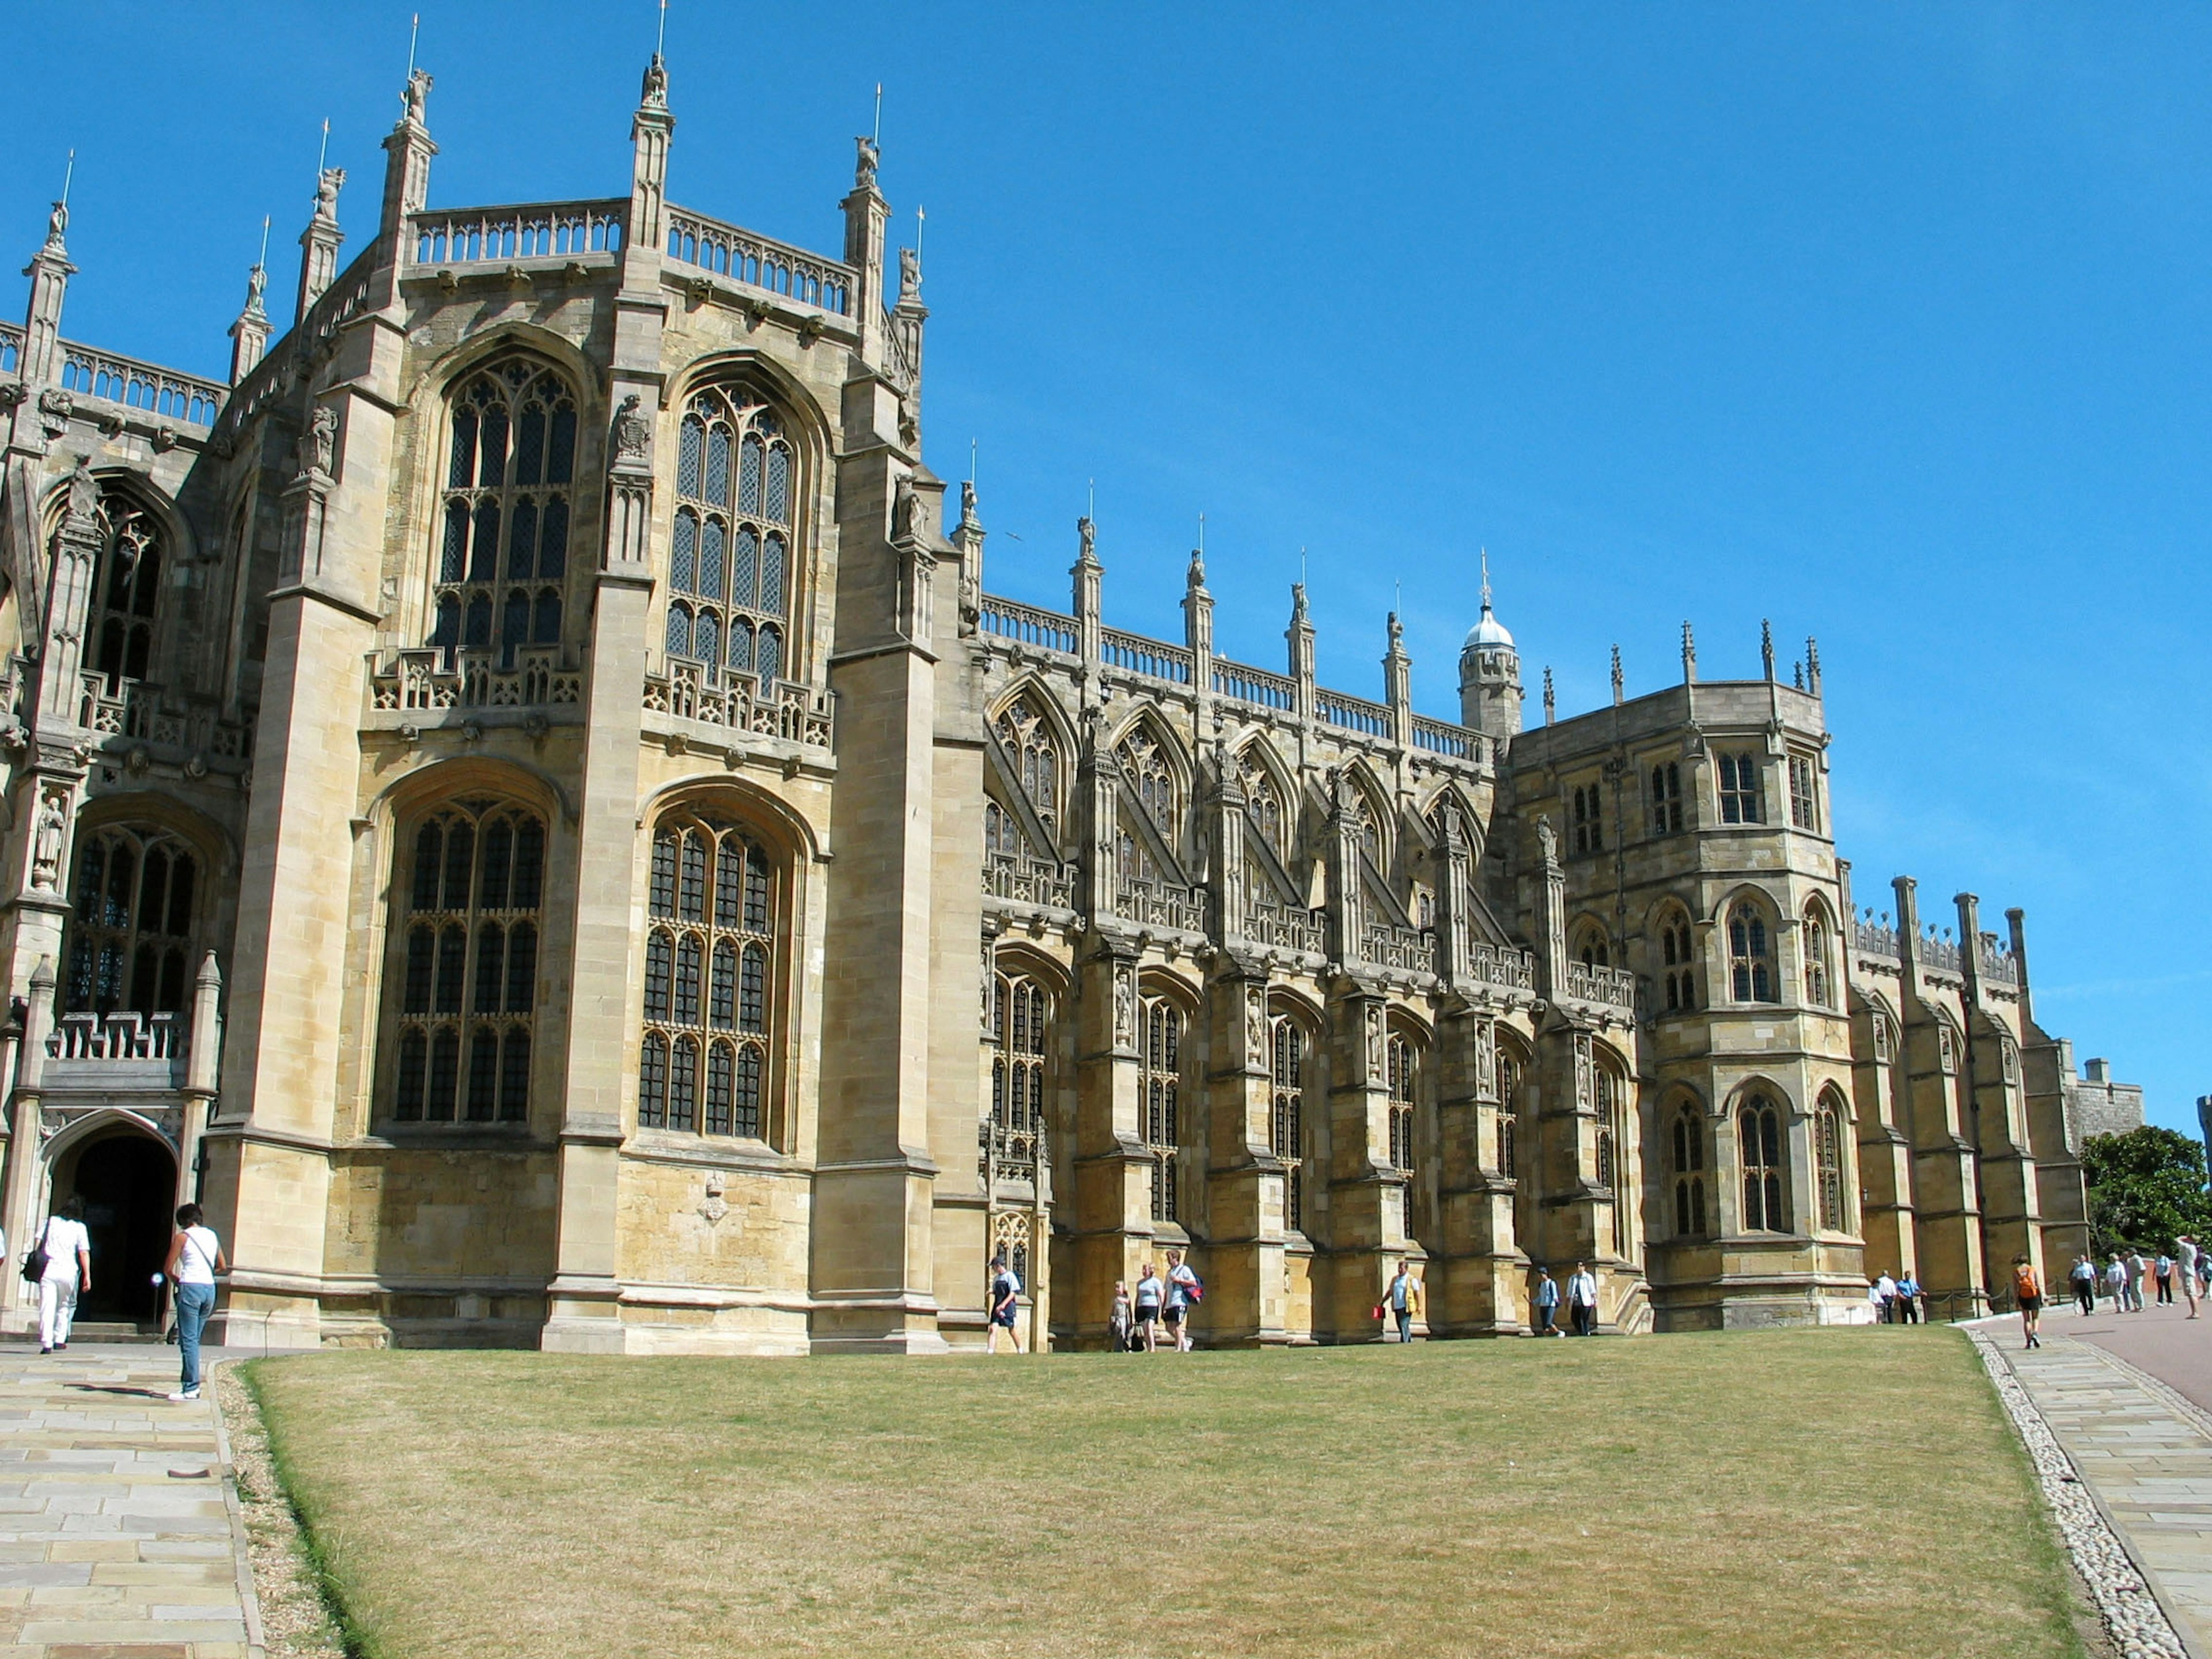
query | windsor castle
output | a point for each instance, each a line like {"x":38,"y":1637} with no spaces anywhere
{"x":524,"y":802}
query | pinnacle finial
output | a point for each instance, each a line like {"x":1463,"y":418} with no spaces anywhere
{"x":1689,"y":653}
{"x":1766,"y":647}
{"x":1485,"y":579}
{"x":1551,"y":703}
{"x":1616,"y":674}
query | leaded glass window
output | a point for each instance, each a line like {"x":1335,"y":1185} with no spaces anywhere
{"x":1286,"y":1129}
{"x":1740,"y":790}
{"x":1021,"y":1019}
{"x":500,"y":562}
{"x":1689,"y":1172}
{"x":126,"y":593}
{"x":470,"y":883}
{"x":1160,"y":1097}
{"x":732,"y":567}
{"x":1033,"y":749}
{"x":1750,"y":960}
{"x":1828,"y":1166}
{"x":1678,"y":961}
{"x":1758,"y":1128}
{"x":710,"y":980}
{"x":1404,"y":1072}
{"x":131,"y":941}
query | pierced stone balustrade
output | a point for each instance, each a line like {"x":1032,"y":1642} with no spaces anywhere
{"x":549,"y":230}
{"x":1287,"y":927}
{"x":438,"y":676}
{"x":1151,"y":658}
{"x":11,"y":348}
{"x":1504,"y":965}
{"x":758,"y":262}
{"x":1593,"y":982}
{"x":1162,"y":904}
{"x":1011,"y":1153}
{"x":88,"y":371}
{"x":696,"y":691}
{"x":118,"y":1037}
{"x":1254,"y":685}
{"x":1409,"y":949}
{"x":1354,"y":714}
{"x":137,"y":710}
{"x":1441,"y":738}
{"x":1025,"y":624}
{"x":1022,"y":880}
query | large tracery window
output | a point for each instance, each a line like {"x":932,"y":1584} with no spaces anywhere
{"x":470,"y":884}
{"x":1751,"y":958}
{"x":1021,"y":1015}
{"x":1828,"y":1166}
{"x":1149,"y":779}
{"x":1404,"y":1073}
{"x":710,"y":978}
{"x":131,"y":941}
{"x":730,"y":565}
{"x":1759,"y":1128}
{"x":1286,"y":1134}
{"x":1032,"y":749}
{"x":1161,"y":1089}
{"x":1689,"y":1150}
{"x":503,"y":534}
{"x":126,"y":593}
{"x":1263,"y":800}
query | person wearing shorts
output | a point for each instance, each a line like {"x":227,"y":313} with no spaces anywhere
{"x":1005,"y":1297}
{"x":2027,"y":1287}
{"x":2184,"y":1250}
{"x":1149,"y":1294}
{"x":1175,"y":1311}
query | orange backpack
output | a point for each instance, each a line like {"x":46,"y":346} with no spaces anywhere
{"x":2024,"y":1282}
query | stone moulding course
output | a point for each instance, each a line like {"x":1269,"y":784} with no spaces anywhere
{"x":2134,"y":1620}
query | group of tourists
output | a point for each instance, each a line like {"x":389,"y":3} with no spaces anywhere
{"x":2186,"y":1269}
{"x":1581,"y":1303}
{"x":1896,"y":1299}
{"x":59,"y":1263}
{"x":1161,"y":1307}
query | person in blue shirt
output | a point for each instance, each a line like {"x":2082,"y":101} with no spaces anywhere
{"x":1548,"y":1304}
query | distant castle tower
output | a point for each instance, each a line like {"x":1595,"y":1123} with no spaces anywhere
{"x":1490,"y":674}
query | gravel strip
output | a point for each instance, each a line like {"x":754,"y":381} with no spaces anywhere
{"x":2136,"y":1623}
{"x":294,"y":1622}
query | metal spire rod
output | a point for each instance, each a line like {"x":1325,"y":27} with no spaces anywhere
{"x":324,"y":154}
{"x":971,"y":462}
{"x":920,"y":220}
{"x":69,"y":173}
{"x":1485,"y":579}
{"x":263,"y":261}
{"x":415,"y":28}
{"x":661,"y":39}
{"x":1201,"y":533}
{"x":878,"y":141}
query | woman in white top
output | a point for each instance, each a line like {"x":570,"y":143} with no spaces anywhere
{"x":195,"y":1258}
{"x":69,"y":1273}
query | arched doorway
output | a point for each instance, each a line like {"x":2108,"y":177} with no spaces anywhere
{"x":128,"y":1181}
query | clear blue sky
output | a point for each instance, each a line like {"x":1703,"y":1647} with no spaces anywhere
{"x":1888,"y":323}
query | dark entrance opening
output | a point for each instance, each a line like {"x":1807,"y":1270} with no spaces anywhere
{"x":129,"y":1186}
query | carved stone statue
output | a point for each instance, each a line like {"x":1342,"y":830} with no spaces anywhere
{"x":1256,"y":1024}
{"x":1373,"y":1042}
{"x":46,"y":851}
{"x":319,"y":443}
{"x":1087,"y":534}
{"x":1547,"y":839}
{"x":257,"y":284}
{"x":1125,"y":1007}
{"x":56,"y":224}
{"x":1397,"y":632}
{"x":83,"y":492}
{"x":910,"y":273}
{"x":913,"y":515}
{"x":1196,"y":579}
{"x":328,"y":183}
{"x":864,"y":167}
{"x":968,"y":501}
{"x":633,"y":434}
{"x":655,"y":94}
{"x":418,"y":93}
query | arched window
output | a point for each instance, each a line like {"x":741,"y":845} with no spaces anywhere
{"x":1001,"y":838}
{"x":1750,"y":960}
{"x":1758,"y":1128}
{"x":1032,"y":747}
{"x":1263,"y":800}
{"x":131,"y":941}
{"x":1815,"y":936}
{"x":1667,"y":798}
{"x":1286,"y":1136}
{"x":1370,"y":833}
{"x":1508,"y":1111}
{"x":501,"y":563}
{"x":1404,"y":1073}
{"x":1148,"y":781}
{"x":468,"y":885}
{"x":731,"y":564}
{"x":1590,"y":947}
{"x":1677,"y":960}
{"x":1160,"y":1087}
{"x":1828,"y":1166}
{"x":712,"y":969}
{"x":126,"y":593}
{"x":1589,"y":819}
{"x":1611,"y":1090}
{"x":1021,"y":1018}
{"x":1689,"y":1173}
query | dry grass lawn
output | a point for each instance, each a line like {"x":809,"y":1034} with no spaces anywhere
{"x":1803,"y":1494}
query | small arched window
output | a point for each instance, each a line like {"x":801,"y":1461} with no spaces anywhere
{"x":1689,"y":1149}
{"x":131,"y":941}
{"x":1591,"y":948}
{"x":1758,"y":1128}
{"x":1828,"y":1166}
{"x":502,"y":563}
{"x":1404,"y":1074}
{"x":712,"y":969}
{"x":1263,"y":800}
{"x":1815,"y":936}
{"x":1160,"y":1095}
{"x":731,"y":563}
{"x":1589,"y":814}
{"x":1667,"y":798}
{"x":1678,"y":961}
{"x":126,"y":593}
{"x":1751,"y":959}
{"x":1286,"y":1132}
{"x":1032,"y":749}
{"x":1509,"y":1110}
{"x":469,"y":886}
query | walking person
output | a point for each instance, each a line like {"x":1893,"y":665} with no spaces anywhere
{"x":1183,"y":1291}
{"x":195,"y":1258}
{"x":1404,"y":1299}
{"x":2165,"y":1271}
{"x":1581,"y":1300}
{"x":1908,"y":1297}
{"x":1149,"y":1294}
{"x":2184,"y":1250}
{"x":68,"y":1275}
{"x":2116,"y":1285}
{"x":1006,"y":1297}
{"x":1547,"y":1304}
{"x":2138,"y":1271}
{"x":2027,"y":1291}
{"x":2083,"y":1278}
{"x":1885,"y":1298}
{"x":1123,"y":1318}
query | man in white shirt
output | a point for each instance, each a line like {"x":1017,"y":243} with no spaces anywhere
{"x":1582,"y":1299}
{"x":2184,"y":1249}
{"x":1885,"y":1298}
{"x":69,"y":1273}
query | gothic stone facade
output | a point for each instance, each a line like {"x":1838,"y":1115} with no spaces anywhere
{"x":521,"y":801}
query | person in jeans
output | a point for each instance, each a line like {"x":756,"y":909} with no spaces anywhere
{"x":1547,"y":1304}
{"x":2165,"y":1272}
{"x":68,"y":1276}
{"x":1582,"y":1299}
{"x":195,"y":1258}
{"x":1404,"y":1300}
{"x":2084,"y":1281}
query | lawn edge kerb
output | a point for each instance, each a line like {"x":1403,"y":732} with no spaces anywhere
{"x":355,"y":1635}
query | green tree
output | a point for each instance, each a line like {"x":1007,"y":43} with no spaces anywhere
{"x":2146,"y":1190}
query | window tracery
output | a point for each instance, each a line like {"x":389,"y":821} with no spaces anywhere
{"x":467,"y":993}
{"x":1815,"y":935}
{"x":127,"y":592}
{"x":1677,"y":961}
{"x":1758,"y":1128}
{"x":711,"y":970}
{"x":1689,"y":1171}
{"x":132,"y":940}
{"x":1032,"y":747}
{"x":1287,"y":1122}
{"x":1403,"y":1072}
{"x":503,"y":561}
{"x":1161,"y":1091}
{"x":1021,"y":1018}
{"x":1151,"y":779}
{"x":1588,"y":813}
{"x":1509,"y":1109}
{"x":1263,"y":800}
{"x":731,"y":567}
{"x":1740,"y":790}
{"x":1828,"y":1166}
{"x":1667,"y":798}
{"x":1751,"y":958}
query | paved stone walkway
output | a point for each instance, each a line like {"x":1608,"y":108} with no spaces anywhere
{"x":120,"y":1533}
{"x":2147,"y":1458}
